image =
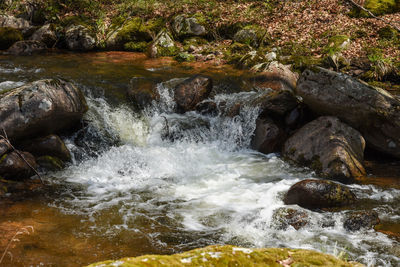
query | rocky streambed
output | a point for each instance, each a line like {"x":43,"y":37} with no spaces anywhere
{"x":140,"y":156}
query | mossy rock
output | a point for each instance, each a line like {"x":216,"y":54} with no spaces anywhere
{"x":377,"y":7}
{"x":50,"y":163}
{"x":9,"y":36}
{"x":136,"y":46}
{"x":387,"y":33}
{"x":233,"y":256}
{"x":184,"y":57}
{"x":162,"y":46}
{"x":138,"y":30}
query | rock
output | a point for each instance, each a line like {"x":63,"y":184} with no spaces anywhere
{"x":13,"y":22}
{"x":246,"y":36}
{"x":78,"y":37}
{"x":26,"y":48}
{"x":142,"y":92}
{"x":50,"y":145}
{"x":50,"y":163}
{"x":13,"y":167}
{"x":358,"y":220}
{"x":277,"y":103}
{"x":234,"y":256}
{"x":277,"y":77}
{"x":9,"y":36}
{"x":187,"y":26}
{"x":372,"y":111}
{"x":330,"y":147}
{"x":46,"y":35}
{"x":317,"y":194}
{"x":192,"y":91}
{"x":40,"y":108}
{"x":268,"y":137}
{"x":4,"y":146}
{"x":162,"y":46}
{"x":285,"y":217}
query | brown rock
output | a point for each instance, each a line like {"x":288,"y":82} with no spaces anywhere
{"x":277,"y":77}
{"x":268,"y":136}
{"x":357,"y":220}
{"x":330,"y":147}
{"x":26,"y":48}
{"x":316,"y":194}
{"x":50,"y":145}
{"x":4,"y":147}
{"x":192,"y":91}
{"x":13,"y":167}
{"x":142,"y":92}
{"x":372,"y":111}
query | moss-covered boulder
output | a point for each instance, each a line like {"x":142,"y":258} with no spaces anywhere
{"x":162,"y":46}
{"x":50,"y":163}
{"x":377,"y":7}
{"x":9,"y":36}
{"x":233,"y":256}
{"x":184,"y":26}
{"x":79,"y":37}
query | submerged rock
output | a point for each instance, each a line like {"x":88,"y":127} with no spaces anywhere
{"x":330,"y":147}
{"x":358,"y":220}
{"x":26,"y":48}
{"x":192,"y":91}
{"x":142,"y":92}
{"x":40,"y":108}
{"x":50,"y":145}
{"x":13,"y":167}
{"x":372,"y":111}
{"x":234,"y":256}
{"x":316,"y":194}
{"x":46,"y":35}
{"x":268,"y":136}
{"x":78,"y":37}
{"x":290,"y":217}
{"x":187,"y":26}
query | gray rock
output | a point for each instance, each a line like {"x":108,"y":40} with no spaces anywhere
{"x":358,"y":220}
{"x":187,"y":26}
{"x":246,"y":36}
{"x":78,"y":37}
{"x":40,"y":108}
{"x":46,"y":35}
{"x":372,"y":111}
{"x":13,"y":22}
{"x":26,"y":48}
{"x":330,"y":147}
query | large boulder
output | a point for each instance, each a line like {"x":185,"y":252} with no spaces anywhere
{"x":16,"y":23}
{"x":192,"y":91}
{"x":50,"y":145}
{"x":372,"y":111}
{"x":26,"y":48}
{"x":330,"y":147}
{"x":142,"y":92}
{"x":187,"y":26}
{"x":162,"y":46}
{"x":317,"y":194}
{"x":246,"y":36}
{"x":78,"y":37}
{"x":46,"y":34}
{"x":41,"y":108}
{"x":9,"y":36}
{"x":357,"y":220}
{"x":13,"y":167}
{"x":268,"y":136}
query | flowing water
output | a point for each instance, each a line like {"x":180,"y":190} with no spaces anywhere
{"x":162,"y":182}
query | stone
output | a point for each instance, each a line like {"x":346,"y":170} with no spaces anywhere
{"x":40,"y":108}
{"x":142,"y":92}
{"x":318,"y":194}
{"x":50,"y":163}
{"x":46,"y":35}
{"x":192,"y":91}
{"x":330,"y":147}
{"x":357,"y":220}
{"x":246,"y":36}
{"x":162,"y":46}
{"x":9,"y":36}
{"x":27,"y":48}
{"x":78,"y":37}
{"x":285,"y":217}
{"x":13,"y":167}
{"x":277,"y":77}
{"x":50,"y":145}
{"x":268,"y":136}
{"x":4,"y":146}
{"x":187,"y":26}
{"x":371,"y":110}
{"x":13,"y":22}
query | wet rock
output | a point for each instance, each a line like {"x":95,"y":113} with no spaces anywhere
{"x":246,"y":36}
{"x":187,"y":26}
{"x":277,"y":77}
{"x":358,"y":220}
{"x":277,"y":103}
{"x":285,"y":217}
{"x":13,"y":167}
{"x":9,"y":36}
{"x":268,"y":136}
{"x":40,"y":108}
{"x":192,"y":91}
{"x":142,"y":92}
{"x":330,"y":147}
{"x":50,"y":163}
{"x":26,"y":48}
{"x":50,"y":145}
{"x":316,"y":194}
{"x":4,"y":146}
{"x":372,"y":111}
{"x":162,"y":46}
{"x":46,"y":35}
{"x":78,"y":37}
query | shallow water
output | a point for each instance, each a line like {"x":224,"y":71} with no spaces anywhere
{"x":137,"y":186}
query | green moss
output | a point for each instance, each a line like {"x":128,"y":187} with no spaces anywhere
{"x":50,"y":163}
{"x":136,"y":46}
{"x":233,"y":256}
{"x":138,"y":30}
{"x":9,"y":36}
{"x":336,"y":44}
{"x":3,"y":158}
{"x":167,"y":51}
{"x":184,"y":57}
{"x":377,"y":7}
{"x":387,"y":33}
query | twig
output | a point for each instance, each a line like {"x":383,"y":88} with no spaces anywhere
{"x":14,"y":239}
{"x":372,"y":15}
{"x":5,"y":138}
